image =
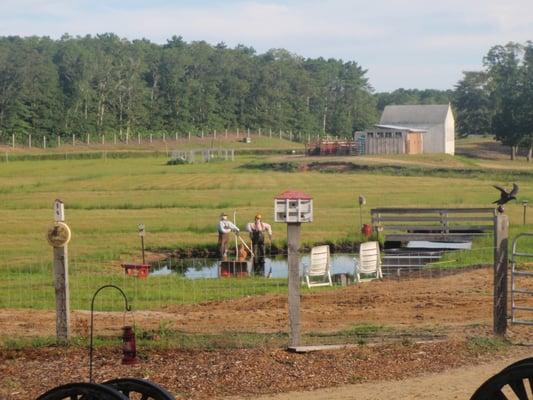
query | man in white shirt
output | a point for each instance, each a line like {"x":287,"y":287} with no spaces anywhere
{"x":225,"y":227}
{"x":257,"y":231}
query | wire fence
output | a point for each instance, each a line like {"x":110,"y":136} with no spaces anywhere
{"x":420,"y":297}
{"x":29,"y":141}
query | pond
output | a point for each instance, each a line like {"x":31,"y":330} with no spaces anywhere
{"x":276,"y":267}
{"x":197,"y":268}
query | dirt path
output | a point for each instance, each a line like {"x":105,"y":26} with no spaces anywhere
{"x":459,"y":383}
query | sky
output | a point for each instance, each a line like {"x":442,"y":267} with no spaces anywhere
{"x":410,"y":44}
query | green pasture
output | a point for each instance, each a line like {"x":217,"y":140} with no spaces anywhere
{"x":106,"y":199}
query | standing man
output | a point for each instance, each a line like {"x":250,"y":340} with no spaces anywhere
{"x":257,"y":231}
{"x":224,"y":229}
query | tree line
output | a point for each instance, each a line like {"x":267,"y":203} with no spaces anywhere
{"x":499,"y":99}
{"x":107,"y":85}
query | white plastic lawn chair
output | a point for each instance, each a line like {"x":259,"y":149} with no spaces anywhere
{"x":319,"y":266}
{"x":369,"y":262}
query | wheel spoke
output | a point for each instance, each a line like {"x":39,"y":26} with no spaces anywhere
{"x":140,"y":389}
{"x":530,"y":380}
{"x":500,"y":396}
{"x":519,"y":389}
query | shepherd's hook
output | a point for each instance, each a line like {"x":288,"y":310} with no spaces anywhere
{"x":127,"y":307}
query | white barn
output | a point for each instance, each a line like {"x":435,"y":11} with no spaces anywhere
{"x":436,"y":120}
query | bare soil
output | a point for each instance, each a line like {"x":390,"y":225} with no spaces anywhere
{"x":453,"y":306}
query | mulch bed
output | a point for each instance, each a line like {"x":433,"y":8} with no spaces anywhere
{"x":25,"y":374}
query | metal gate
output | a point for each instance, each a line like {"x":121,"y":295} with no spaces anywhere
{"x":521,"y":285}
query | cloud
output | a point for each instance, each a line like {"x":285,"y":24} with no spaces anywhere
{"x":434,"y":39}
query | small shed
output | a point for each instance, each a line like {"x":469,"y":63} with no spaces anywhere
{"x":435,"y":119}
{"x":390,"y":139}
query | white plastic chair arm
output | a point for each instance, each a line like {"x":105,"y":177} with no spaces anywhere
{"x":356,"y":264}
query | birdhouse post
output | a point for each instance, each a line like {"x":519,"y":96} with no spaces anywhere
{"x":58,"y":236}
{"x":293,"y":208}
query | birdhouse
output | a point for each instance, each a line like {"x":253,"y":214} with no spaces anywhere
{"x":293,"y":207}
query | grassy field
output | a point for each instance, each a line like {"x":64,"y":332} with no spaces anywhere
{"x":106,"y":198}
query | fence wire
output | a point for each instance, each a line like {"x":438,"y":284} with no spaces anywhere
{"x":188,"y":299}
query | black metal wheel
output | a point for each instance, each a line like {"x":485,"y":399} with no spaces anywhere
{"x":139,"y":389}
{"x":524,"y":361}
{"x":512,"y":383}
{"x":82,"y":391}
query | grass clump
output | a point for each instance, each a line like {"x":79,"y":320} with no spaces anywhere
{"x":482,"y":344}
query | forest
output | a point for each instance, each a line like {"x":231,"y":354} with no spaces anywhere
{"x":107,"y":85}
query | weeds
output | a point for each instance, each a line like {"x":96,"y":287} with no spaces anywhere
{"x":482,"y":344}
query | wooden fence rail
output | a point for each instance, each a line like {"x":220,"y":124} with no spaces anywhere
{"x":433,"y":224}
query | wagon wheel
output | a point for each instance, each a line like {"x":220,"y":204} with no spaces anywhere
{"x":524,"y":361}
{"x":82,"y":391}
{"x":514,"y":382}
{"x":139,"y":389}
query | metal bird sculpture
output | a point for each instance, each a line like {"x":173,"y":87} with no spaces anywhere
{"x":505,"y":196}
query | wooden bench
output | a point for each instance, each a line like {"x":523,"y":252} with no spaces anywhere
{"x":433,"y":224}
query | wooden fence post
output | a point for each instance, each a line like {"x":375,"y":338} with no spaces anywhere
{"x":501,"y":262}
{"x":293,"y":239}
{"x":58,"y":237}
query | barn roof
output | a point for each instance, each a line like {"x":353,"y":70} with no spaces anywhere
{"x":400,"y":128}
{"x":414,"y":115}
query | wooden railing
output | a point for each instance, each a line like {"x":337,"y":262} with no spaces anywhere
{"x":433,"y":224}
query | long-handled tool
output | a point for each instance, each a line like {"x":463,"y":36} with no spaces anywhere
{"x":245,"y":245}
{"x":236,"y":241}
